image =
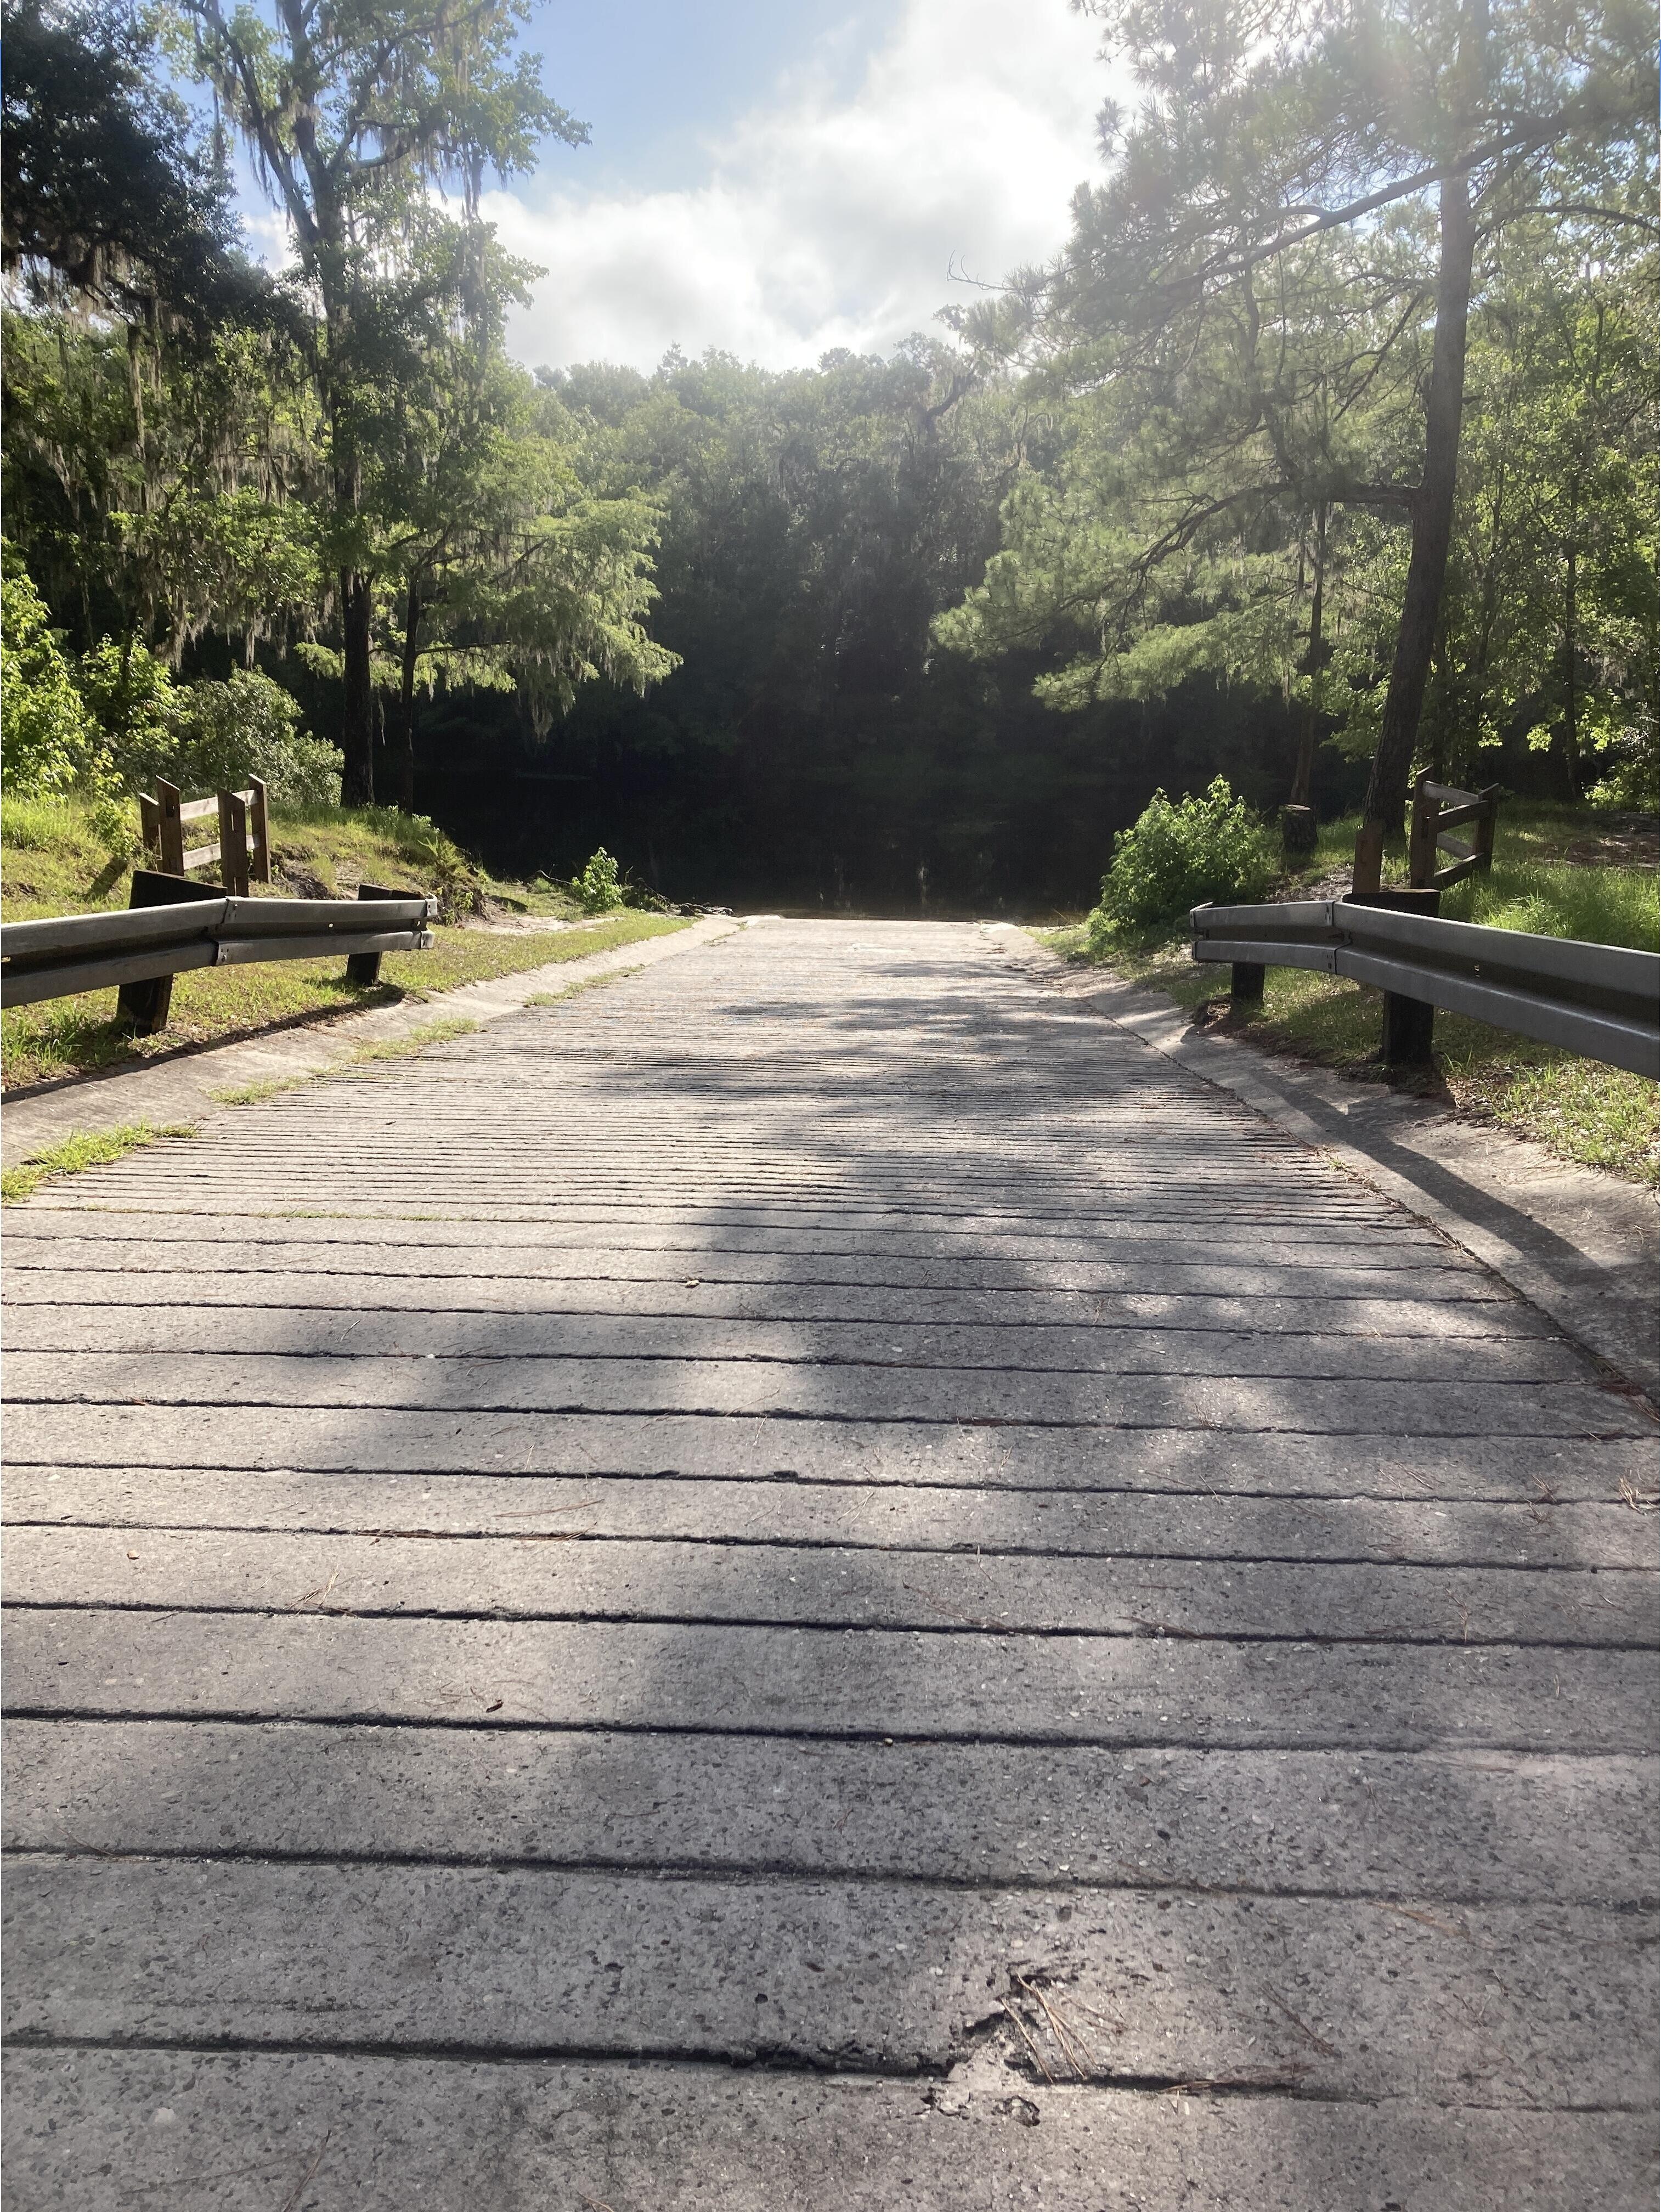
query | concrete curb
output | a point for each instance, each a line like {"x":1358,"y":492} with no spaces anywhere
{"x":183,"y":1089}
{"x":1579,"y":1245}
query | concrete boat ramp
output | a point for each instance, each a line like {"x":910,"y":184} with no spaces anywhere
{"x":816,"y":1579}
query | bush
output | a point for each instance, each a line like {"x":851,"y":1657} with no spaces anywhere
{"x":599,"y":888}
{"x":204,"y":737}
{"x":225,"y":732}
{"x":48,"y":742}
{"x":1177,"y":854}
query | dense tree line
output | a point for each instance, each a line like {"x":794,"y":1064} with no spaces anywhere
{"x":1325,"y":448}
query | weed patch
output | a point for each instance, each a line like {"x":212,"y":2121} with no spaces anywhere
{"x":84,"y":1148}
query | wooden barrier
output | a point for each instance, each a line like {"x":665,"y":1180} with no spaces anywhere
{"x":244,"y":850}
{"x":1438,"y":808}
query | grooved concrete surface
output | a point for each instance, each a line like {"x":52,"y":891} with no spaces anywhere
{"x":814,"y":1581}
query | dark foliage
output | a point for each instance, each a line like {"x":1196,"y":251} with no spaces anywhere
{"x":103,"y":185}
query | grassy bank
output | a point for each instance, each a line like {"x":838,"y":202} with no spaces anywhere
{"x":55,"y":863}
{"x":1551,"y":877}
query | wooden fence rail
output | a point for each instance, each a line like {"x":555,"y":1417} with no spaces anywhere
{"x":1437,"y":809}
{"x":244,"y":850}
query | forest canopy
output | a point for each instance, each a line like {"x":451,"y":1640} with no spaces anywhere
{"x":1323,"y":451}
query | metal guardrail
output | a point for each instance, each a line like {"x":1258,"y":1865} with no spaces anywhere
{"x":57,"y":958}
{"x":1599,"y":1001}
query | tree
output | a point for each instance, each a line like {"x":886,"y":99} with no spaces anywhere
{"x":507,"y":570}
{"x":352,"y":113}
{"x":1267,"y":132}
{"x":104,"y":189}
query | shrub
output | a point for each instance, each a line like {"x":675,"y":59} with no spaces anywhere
{"x":1177,"y":854}
{"x":48,"y":742}
{"x":599,"y":888}
{"x":131,"y":694}
{"x":204,"y":737}
{"x":435,"y":855}
{"x":225,"y":732}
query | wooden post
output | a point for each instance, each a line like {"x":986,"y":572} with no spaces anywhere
{"x":259,"y":830}
{"x":1487,"y":822}
{"x":170,"y":828}
{"x":1245,"y":979}
{"x":1409,"y":1024}
{"x":1422,"y":838}
{"x":149,"y":823}
{"x":146,"y":1005}
{"x":1298,"y":833}
{"x":234,"y":843}
{"x":365,"y":967}
{"x":1369,"y":858}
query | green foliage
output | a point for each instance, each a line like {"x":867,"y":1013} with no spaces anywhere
{"x":441,"y":862}
{"x":48,"y":742}
{"x":131,"y":695}
{"x":204,"y":737}
{"x":1234,"y":350}
{"x":1177,"y":855}
{"x":249,"y":726}
{"x":599,"y":887}
{"x":107,"y":190}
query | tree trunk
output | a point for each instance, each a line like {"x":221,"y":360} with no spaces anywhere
{"x":412,"y":615}
{"x":357,"y":734}
{"x":1571,"y":649}
{"x":1303,"y":773}
{"x":1433,"y":527}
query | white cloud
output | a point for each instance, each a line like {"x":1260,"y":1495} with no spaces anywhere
{"x":831,"y":219}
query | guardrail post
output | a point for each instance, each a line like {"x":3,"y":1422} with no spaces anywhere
{"x":234,"y":843}
{"x":1245,"y":979}
{"x":170,"y":828}
{"x":259,"y":829}
{"x":146,"y":1005}
{"x":365,"y":967}
{"x":1409,"y":1024}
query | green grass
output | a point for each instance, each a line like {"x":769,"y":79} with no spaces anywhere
{"x":585,"y":983}
{"x":70,"y":1036}
{"x":402,"y":1048}
{"x":55,"y":863}
{"x":1557,"y":872}
{"x":1598,"y":1116}
{"x":1600,"y":905}
{"x":1529,"y":832}
{"x":85,"y":1148}
{"x":256,"y":1094}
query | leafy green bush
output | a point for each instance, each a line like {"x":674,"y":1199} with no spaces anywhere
{"x":249,"y":726}
{"x":204,"y":737}
{"x":48,"y":742}
{"x":131,"y":694}
{"x":1177,"y":853}
{"x":599,"y":888}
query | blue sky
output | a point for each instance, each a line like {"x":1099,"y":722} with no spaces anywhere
{"x":777,"y":179}
{"x":656,"y":81}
